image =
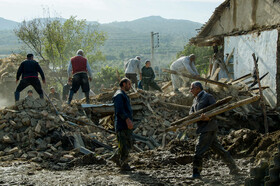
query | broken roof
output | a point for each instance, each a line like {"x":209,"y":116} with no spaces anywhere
{"x":236,"y":17}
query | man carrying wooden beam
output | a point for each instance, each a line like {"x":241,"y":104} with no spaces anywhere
{"x":207,"y":130}
{"x":185,"y":64}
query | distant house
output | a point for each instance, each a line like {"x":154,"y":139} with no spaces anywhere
{"x":248,"y":26}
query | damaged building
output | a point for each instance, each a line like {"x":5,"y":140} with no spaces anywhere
{"x":244,"y":27}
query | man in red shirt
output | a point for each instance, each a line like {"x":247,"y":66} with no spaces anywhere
{"x":80,"y":69}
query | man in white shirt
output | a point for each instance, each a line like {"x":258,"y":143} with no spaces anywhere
{"x":185,"y":64}
{"x":132,"y":68}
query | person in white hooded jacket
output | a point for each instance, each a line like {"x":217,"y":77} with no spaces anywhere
{"x":185,"y":64}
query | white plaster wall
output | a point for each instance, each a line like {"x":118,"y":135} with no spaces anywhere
{"x":264,"y":45}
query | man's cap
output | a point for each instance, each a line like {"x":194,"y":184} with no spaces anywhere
{"x":192,"y":55}
{"x":29,"y":91}
{"x":147,"y":61}
{"x":51,"y":88}
{"x":80,"y":52}
{"x":138,"y":57}
{"x":29,"y":55}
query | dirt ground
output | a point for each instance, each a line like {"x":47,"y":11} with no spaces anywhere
{"x":167,"y":172}
{"x":169,"y":166}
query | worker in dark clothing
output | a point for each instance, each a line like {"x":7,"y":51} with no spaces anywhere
{"x":148,"y":77}
{"x":53,"y":94}
{"x":123,"y":125}
{"x":80,"y":69}
{"x":207,"y":130}
{"x":66,"y":89}
{"x":28,"y":70}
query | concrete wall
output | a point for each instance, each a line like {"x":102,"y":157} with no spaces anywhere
{"x":245,"y":15}
{"x":264,"y":45}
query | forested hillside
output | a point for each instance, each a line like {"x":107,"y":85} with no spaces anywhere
{"x":125,"y":39}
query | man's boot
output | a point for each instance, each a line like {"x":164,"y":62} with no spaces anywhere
{"x":71,"y":93}
{"x":41,"y":96}
{"x":87,"y":97}
{"x":17,"y":96}
{"x":115,"y":158}
{"x":234,"y":170}
{"x":196,"y":174}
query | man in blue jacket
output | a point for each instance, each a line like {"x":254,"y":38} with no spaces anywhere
{"x":207,"y":130}
{"x":28,"y":70}
{"x":123,"y":124}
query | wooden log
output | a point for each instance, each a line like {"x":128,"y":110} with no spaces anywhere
{"x":174,"y":105}
{"x":193,"y":115}
{"x":197,"y":78}
{"x":242,"y":78}
{"x":261,"y":93}
{"x":215,"y":66}
{"x":215,"y":75}
{"x":229,"y":57}
{"x":224,"y":67}
{"x":216,"y":112}
{"x":166,"y":85}
{"x":210,"y":67}
{"x":108,"y":109}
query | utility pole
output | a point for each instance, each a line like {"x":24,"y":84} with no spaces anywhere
{"x":153,"y":46}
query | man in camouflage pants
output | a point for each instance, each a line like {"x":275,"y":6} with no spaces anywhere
{"x":148,"y":77}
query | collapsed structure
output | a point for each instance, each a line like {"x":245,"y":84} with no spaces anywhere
{"x":58,"y":136}
{"x":240,"y":28}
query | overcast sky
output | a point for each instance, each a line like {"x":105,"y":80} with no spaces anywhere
{"x":105,"y":11}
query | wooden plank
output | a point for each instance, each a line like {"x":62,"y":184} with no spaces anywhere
{"x":197,"y":78}
{"x":229,"y":57}
{"x":174,"y":105}
{"x":261,"y":93}
{"x":111,"y":110}
{"x":242,"y":78}
{"x":166,"y":85}
{"x":216,"y":112}
{"x":215,"y":75}
{"x":217,"y":104}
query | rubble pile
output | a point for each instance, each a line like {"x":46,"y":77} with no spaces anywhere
{"x":31,"y":130}
{"x":266,"y":172}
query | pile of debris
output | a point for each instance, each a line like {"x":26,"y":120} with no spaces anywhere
{"x":31,"y":130}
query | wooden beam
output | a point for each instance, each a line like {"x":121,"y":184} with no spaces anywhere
{"x":215,"y":75}
{"x":216,"y":112}
{"x":197,"y":78}
{"x":215,"y":105}
{"x":242,"y":78}
{"x":261,"y":93}
{"x":174,"y":105}
{"x":229,"y":57}
{"x":166,"y":85}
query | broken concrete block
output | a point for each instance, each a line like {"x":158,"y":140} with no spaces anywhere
{"x":58,"y":144}
{"x":48,"y":155}
{"x":32,"y":154}
{"x":7,"y":139}
{"x":68,"y":157}
{"x":33,"y":122}
{"x":7,"y":158}
{"x":53,"y":148}
{"x":44,"y":113}
{"x":24,"y":155}
{"x":2,"y":126}
{"x":26,"y":121}
{"x":13,"y":150}
{"x":38,"y":128}
{"x":12,"y":123}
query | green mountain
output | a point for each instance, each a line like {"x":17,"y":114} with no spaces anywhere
{"x":126,"y":39}
{"x":7,"y":24}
